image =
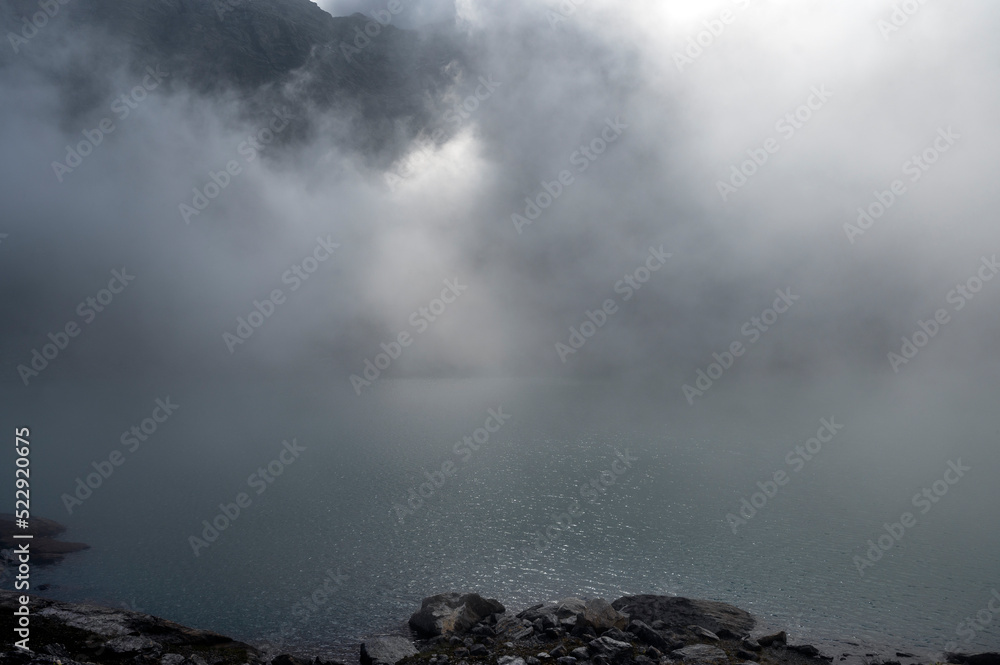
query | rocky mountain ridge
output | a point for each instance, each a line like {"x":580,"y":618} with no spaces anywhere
{"x":380,"y":85}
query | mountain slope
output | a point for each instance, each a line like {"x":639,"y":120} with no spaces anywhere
{"x":262,"y":52}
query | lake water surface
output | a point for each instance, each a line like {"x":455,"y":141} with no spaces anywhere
{"x":633,"y":499}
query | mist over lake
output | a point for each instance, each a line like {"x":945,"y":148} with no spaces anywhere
{"x":314,"y":311}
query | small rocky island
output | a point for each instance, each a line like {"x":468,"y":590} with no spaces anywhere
{"x":45,"y":546}
{"x":447,"y":629}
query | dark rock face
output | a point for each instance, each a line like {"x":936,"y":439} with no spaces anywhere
{"x":448,"y":613}
{"x":989,"y":658}
{"x":807,"y":650}
{"x":510,"y":629}
{"x":770,"y":640}
{"x":601,"y":616}
{"x":704,"y":634}
{"x":726,"y":634}
{"x":262,"y":54}
{"x":611,"y":650}
{"x":616,"y":634}
{"x":386,"y":650}
{"x":678,"y":613}
{"x":648,"y":635}
{"x":553,"y":612}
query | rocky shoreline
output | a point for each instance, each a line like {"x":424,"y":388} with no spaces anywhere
{"x":450,"y":629}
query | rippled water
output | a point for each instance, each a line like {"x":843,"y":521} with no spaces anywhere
{"x":660,"y":528}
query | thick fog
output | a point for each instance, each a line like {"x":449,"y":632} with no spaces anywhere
{"x":683,"y":121}
{"x":658,"y":201}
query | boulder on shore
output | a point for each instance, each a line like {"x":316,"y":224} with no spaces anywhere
{"x":448,"y":613}
{"x":601,"y":616}
{"x":677,"y":613}
{"x":386,"y":650}
{"x":552,"y":613}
